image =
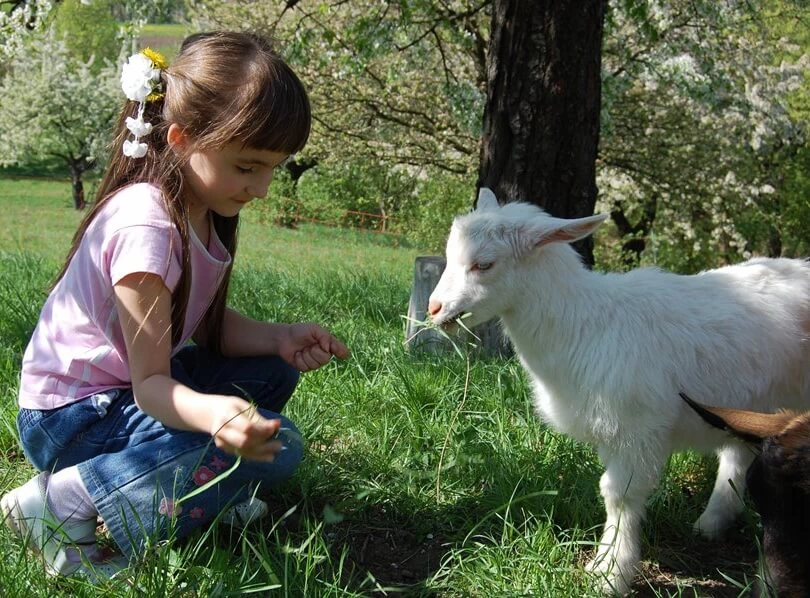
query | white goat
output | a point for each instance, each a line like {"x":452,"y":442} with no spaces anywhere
{"x":608,"y":353}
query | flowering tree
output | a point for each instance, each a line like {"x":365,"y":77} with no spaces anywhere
{"x":697,"y":131}
{"x":18,"y":19}
{"x":696,"y":144}
{"x":392,"y":82}
{"x":55,"y":105}
{"x":59,"y":98}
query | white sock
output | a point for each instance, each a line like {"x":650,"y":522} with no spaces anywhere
{"x":68,"y":498}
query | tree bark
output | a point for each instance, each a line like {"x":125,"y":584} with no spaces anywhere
{"x":78,"y":187}
{"x":634,"y":236}
{"x":541,"y":121}
{"x":296,"y":168}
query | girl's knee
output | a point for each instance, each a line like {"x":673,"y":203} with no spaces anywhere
{"x":289,"y":380}
{"x":280,"y":383}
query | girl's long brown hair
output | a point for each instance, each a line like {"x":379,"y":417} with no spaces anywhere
{"x":223,"y":87}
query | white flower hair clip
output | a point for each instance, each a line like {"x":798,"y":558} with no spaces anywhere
{"x":140,"y":80}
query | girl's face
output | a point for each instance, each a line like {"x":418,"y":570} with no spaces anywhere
{"x":223,"y":180}
{"x":226,"y":180}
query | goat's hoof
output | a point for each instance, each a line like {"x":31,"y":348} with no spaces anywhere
{"x":597,"y":564}
{"x":609,"y":583}
{"x":615,"y":585}
{"x":709,"y":526}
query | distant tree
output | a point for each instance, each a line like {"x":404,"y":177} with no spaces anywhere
{"x":88,"y":29}
{"x":22,"y":20}
{"x":53,"y":104}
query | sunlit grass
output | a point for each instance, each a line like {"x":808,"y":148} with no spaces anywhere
{"x":164,"y":37}
{"x":39,"y":219}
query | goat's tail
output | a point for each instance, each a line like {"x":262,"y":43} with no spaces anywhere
{"x":750,"y":426}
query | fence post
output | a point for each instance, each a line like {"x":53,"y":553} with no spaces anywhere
{"x":427,"y":271}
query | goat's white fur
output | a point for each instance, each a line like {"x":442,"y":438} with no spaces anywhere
{"x":608,"y":353}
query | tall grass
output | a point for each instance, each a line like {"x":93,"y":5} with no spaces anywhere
{"x":428,"y":475}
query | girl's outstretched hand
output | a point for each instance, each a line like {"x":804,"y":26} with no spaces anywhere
{"x":238,"y":428}
{"x":308,"y":346}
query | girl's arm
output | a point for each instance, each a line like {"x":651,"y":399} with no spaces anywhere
{"x":305,"y":346}
{"x":144,"y":310}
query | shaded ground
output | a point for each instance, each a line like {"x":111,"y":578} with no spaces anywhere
{"x":378,"y":546}
{"x":713,"y":569}
{"x":400,"y":560}
{"x":394,"y":556}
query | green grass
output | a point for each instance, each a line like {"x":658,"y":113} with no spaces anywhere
{"x":424,"y":475}
{"x":165,"y":38}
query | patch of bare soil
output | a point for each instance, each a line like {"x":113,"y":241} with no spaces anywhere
{"x":711,"y":568}
{"x":400,"y":560}
{"x":395,"y":557}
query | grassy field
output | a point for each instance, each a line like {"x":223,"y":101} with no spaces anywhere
{"x":424,"y":476}
{"x":165,"y":38}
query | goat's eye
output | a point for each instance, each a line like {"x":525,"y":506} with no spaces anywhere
{"x":481,"y":266}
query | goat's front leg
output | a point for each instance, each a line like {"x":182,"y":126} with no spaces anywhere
{"x":628,"y":481}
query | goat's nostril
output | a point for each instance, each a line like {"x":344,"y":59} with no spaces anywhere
{"x":434,"y":307}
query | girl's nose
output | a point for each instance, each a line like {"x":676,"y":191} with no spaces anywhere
{"x":258,"y":188}
{"x":257,"y":191}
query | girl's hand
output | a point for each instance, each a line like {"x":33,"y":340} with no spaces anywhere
{"x":308,"y":346}
{"x":238,"y":428}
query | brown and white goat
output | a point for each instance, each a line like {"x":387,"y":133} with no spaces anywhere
{"x":778,"y":481}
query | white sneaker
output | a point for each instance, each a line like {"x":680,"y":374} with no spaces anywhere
{"x":59,"y":543}
{"x":244,"y":513}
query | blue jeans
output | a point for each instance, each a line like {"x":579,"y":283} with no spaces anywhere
{"x":137,"y":470}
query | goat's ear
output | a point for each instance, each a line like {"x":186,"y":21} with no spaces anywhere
{"x":486,"y":200}
{"x":567,"y":231}
{"x":748,"y":425}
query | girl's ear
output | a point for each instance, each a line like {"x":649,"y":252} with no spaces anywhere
{"x":177,"y":138}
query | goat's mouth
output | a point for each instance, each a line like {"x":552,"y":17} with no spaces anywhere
{"x":453,"y":322}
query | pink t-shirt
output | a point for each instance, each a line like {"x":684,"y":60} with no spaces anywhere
{"x":77,"y":348}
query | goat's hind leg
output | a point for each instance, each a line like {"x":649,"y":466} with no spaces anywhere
{"x":626,"y":485}
{"x":725,"y":503}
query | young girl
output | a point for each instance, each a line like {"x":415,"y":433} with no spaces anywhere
{"x":120,"y":414}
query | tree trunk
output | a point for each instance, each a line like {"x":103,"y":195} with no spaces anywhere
{"x":78,"y":187}
{"x":634,"y":236}
{"x":541,"y":121}
{"x":296,"y":168}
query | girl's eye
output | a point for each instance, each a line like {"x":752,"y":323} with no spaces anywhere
{"x":481,"y":266}
{"x":244,"y":170}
